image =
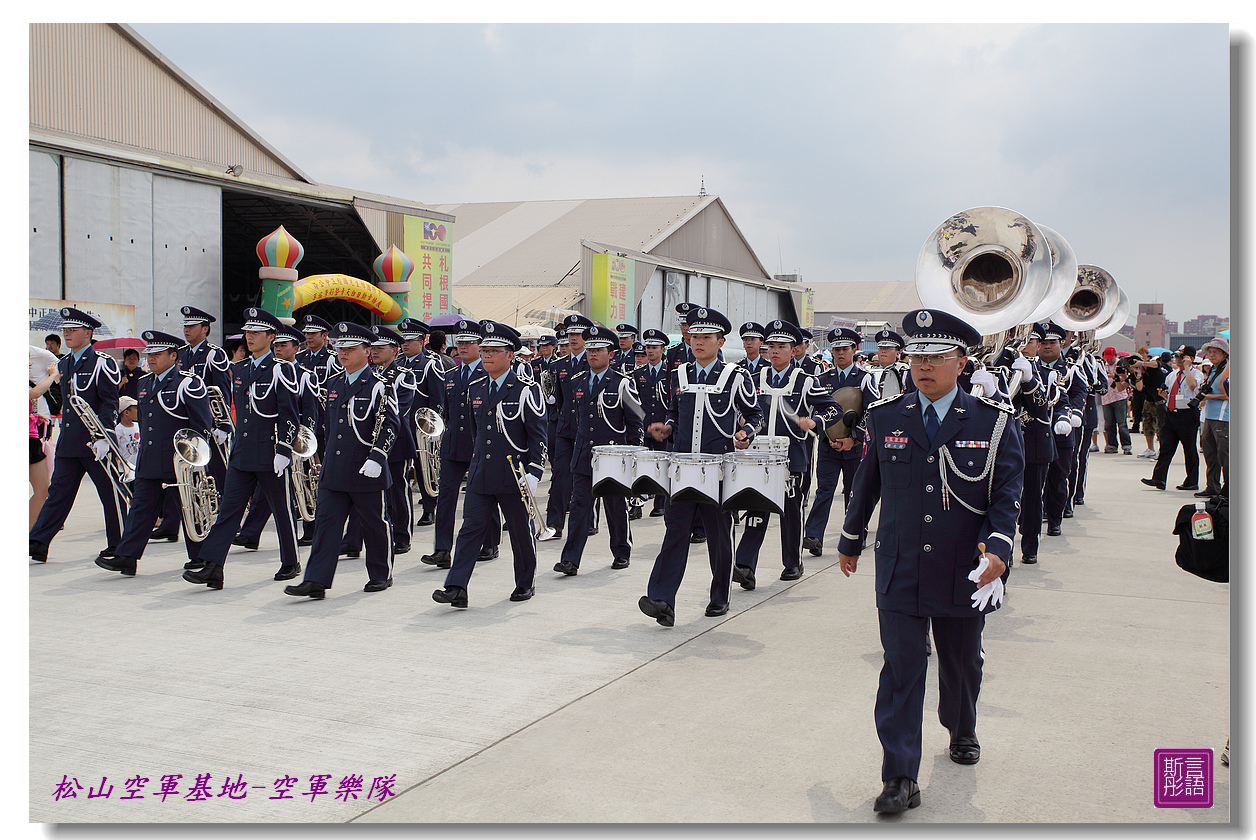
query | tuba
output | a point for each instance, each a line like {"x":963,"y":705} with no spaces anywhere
{"x":1092,"y":302}
{"x":546,"y":380}
{"x":197,"y":493}
{"x":304,"y":473}
{"x":428,"y":429}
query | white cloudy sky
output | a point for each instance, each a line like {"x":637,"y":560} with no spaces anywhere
{"x":837,"y":148}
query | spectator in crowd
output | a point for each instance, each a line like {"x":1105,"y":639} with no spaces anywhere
{"x":436,"y":344}
{"x":1152,"y":373}
{"x":1115,"y":402}
{"x":53,"y":342}
{"x":39,"y":423}
{"x":131,"y":373}
{"x":1214,"y":436}
{"x":1136,"y":393}
{"x":127,"y":432}
{"x":236,"y":350}
{"x":1181,"y":421}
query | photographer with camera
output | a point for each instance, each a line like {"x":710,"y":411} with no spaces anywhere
{"x":1115,"y":402}
{"x":1151,"y":378}
{"x":1214,"y":437}
{"x":1181,"y":421}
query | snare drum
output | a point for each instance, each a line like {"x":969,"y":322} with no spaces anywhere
{"x":755,"y":481}
{"x":612,"y":469}
{"x":778,"y":444}
{"x":696,"y":477}
{"x":650,"y":473}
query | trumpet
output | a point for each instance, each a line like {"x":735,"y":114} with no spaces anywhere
{"x":428,"y":429}
{"x":120,"y":470}
{"x":196,"y":489}
{"x":542,"y":531}
{"x":221,"y":413}
{"x":304,"y":473}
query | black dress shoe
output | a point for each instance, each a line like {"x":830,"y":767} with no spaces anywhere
{"x":377,"y":585}
{"x":744,"y":576}
{"x":168,"y":536}
{"x":1188,"y":487}
{"x":813,"y":545}
{"x":210,"y":575}
{"x":635,"y":513}
{"x":349,"y":551}
{"x":1029,"y":559}
{"x":439,"y":559}
{"x":106,"y":553}
{"x":660,"y":611}
{"x":714,"y":610}
{"x":401,"y":549}
{"x":792,"y":574}
{"x":194,"y":564}
{"x":454,"y":596}
{"x":1068,"y":514}
{"x":1054,"y":530}
{"x":657,"y":512}
{"x":592,"y":530}
{"x":487,"y":554}
{"x":566,"y":568}
{"x":426,"y":519}
{"x":1077,"y":502}
{"x":288,"y":572}
{"x":522,"y":593}
{"x":39,"y":551}
{"x":1151,"y":482}
{"x":619,"y":563}
{"x":306,"y":587}
{"x":697,"y":538}
{"x":1205,"y":493}
{"x":126,"y":565}
{"x":897,"y":796}
{"x":965,"y":750}
{"x":305,"y":541}
{"x":245,"y":542}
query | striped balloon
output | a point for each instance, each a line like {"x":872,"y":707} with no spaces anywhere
{"x":393,"y":266}
{"x":280,"y":250}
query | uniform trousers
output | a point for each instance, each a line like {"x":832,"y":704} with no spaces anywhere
{"x":1178,"y":427}
{"x":147,"y":502}
{"x":1055,"y":498}
{"x":1077,"y":480}
{"x":67,"y":474}
{"x":828,"y":469}
{"x":1031,"y":508}
{"x":581,"y":517}
{"x":398,"y":507}
{"x":669,"y":566}
{"x":259,"y":515}
{"x":480,"y":524}
{"x":172,"y":509}
{"x":334,"y":507}
{"x":791,"y":529}
{"x":239,"y":489}
{"x":813,"y":446}
{"x":901,"y":691}
{"x":1214,"y":438}
{"x":451,"y":475}
{"x":561,"y":475}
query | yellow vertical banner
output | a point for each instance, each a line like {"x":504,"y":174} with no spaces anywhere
{"x":613,"y":298}
{"x":808,"y":309}
{"x":430,"y":244}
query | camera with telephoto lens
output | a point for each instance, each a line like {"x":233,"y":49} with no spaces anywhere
{"x":1197,"y":401}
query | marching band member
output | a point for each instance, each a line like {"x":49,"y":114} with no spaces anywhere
{"x":457,"y":445}
{"x":287,"y":341}
{"x":361,"y":429}
{"x":650,"y":380}
{"x":705,"y":399}
{"x":1068,"y":414}
{"x":317,"y":355}
{"x":563,"y":347}
{"x":838,"y":458}
{"x":429,"y":393}
{"x":604,"y":403}
{"x":638,"y":355}
{"x":523,"y":365}
{"x":170,"y":399}
{"x":947,"y":473}
{"x":545,"y":348}
{"x":623,"y":359}
{"x":1096,"y":385}
{"x":893,"y":375}
{"x":565,"y":429}
{"x":267,"y":417}
{"x":402,"y":388}
{"x":809,"y":364}
{"x":508,"y":423}
{"x":752,"y":341}
{"x":636,"y":504}
{"x":95,"y":378}
{"x":790,"y":400}
{"x":209,"y":362}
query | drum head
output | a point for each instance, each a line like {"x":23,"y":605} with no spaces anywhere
{"x":850,"y":399}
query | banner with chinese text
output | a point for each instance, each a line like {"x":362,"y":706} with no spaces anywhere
{"x":430,"y":244}
{"x":613,"y":299}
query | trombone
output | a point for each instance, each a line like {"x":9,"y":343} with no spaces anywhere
{"x":221,"y":413}
{"x":539,"y":528}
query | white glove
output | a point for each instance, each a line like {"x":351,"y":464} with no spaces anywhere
{"x":1052,"y":377}
{"x":1075,"y":421}
{"x":371,"y":469}
{"x":550,"y":400}
{"x":1063,"y":427}
{"x":1027,"y":370}
{"x":533,"y":483}
{"x":985,"y":379}
{"x":101,"y":448}
{"x":281,"y":464}
{"x":992,"y":592}
{"x":220,"y":435}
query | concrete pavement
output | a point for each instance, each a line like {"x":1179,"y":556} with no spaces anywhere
{"x":575,"y":707}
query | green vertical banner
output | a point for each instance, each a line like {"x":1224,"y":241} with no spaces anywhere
{"x":430,"y":244}
{"x":808,"y":313}
{"x":613,"y":298}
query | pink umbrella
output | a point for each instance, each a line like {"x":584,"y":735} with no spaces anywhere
{"x":116,"y":347}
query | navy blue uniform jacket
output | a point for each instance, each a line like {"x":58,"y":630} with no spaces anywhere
{"x":95,"y":378}
{"x":178,"y":402}
{"x":523,"y":418}
{"x":721,"y":412}
{"x":614,"y":423}
{"x":349,"y":427}
{"x":267,"y":413}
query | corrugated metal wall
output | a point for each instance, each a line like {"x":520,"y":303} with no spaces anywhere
{"x":709,"y":238}
{"x":88,"y":80}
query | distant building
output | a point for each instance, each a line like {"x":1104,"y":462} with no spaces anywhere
{"x":1150,"y":329}
{"x":1206,"y":325}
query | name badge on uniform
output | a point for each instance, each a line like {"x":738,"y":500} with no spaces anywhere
{"x":971,"y":444}
{"x":331,"y":395}
{"x":895,"y":442}
{"x":477,"y":402}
